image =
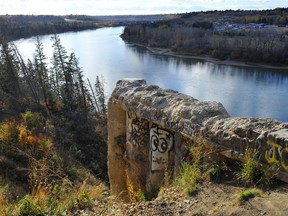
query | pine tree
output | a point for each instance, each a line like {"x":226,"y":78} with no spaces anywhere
{"x":9,"y":77}
{"x":63,"y":74}
{"x":42,"y":72}
{"x":100,"y":94}
{"x":78,"y":86}
{"x":28,"y":82}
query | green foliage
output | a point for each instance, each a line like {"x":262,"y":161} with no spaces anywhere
{"x":60,"y":88}
{"x":249,"y":171}
{"x":248,"y":194}
{"x":188,"y":178}
{"x":8,"y":133}
{"x":100,"y":94}
{"x":267,"y":176}
{"x":32,"y":119}
{"x":54,"y":189}
{"x":198,"y":170}
{"x":9,"y":74}
{"x":49,"y":200}
{"x":27,"y":206}
{"x":252,"y":173}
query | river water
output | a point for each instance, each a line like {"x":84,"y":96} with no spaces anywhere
{"x":245,"y":92}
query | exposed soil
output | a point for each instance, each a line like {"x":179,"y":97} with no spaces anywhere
{"x":212,"y":199}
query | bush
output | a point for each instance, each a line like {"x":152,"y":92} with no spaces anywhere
{"x":198,"y":170}
{"x":8,"y":133}
{"x":248,"y":194}
{"x":248,"y":172}
{"x":188,"y":178}
{"x":27,"y":206}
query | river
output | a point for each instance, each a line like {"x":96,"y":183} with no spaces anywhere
{"x":245,"y":92}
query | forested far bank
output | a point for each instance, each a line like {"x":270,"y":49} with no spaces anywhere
{"x":14,"y":27}
{"x":224,"y":35}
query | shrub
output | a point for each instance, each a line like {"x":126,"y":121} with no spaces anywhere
{"x":32,"y":119}
{"x":8,"y":132}
{"x":248,"y":172}
{"x":248,"y":194}
{"x":188,"y":178}
{"x":27,"y":206}
{"x":195,"y":171}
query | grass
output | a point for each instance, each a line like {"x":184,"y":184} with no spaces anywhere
{"x":50,"y":184}
{"x":47,"y":200}
{"x":135,"y":193}
{"x":250,"y":173}
{"x":248,"y":194}
{"x":188,"y":178}
{"x":201,"y":168}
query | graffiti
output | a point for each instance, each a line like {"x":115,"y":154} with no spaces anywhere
{"x":277,"y":154}
{"x":184,"y":126}
{"x":161,"y":142}
{"x":138,"y":131}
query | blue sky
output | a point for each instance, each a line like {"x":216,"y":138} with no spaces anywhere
{"x":120,"y":7}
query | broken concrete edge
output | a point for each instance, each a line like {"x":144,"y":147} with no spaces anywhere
{"x":208,"y":120}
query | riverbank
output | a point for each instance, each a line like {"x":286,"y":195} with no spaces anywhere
{"x":169,"y":52}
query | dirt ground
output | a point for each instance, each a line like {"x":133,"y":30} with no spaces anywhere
{"x":212,"y":199}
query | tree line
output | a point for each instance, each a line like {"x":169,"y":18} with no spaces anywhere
{"x":60,"y":87}
{"x":14,"y":27}
{"x":195,"y":36}
{"x":17,"y":30}
{"x":277,"y":16}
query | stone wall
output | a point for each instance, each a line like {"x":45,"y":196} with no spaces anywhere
{"x":148,"y":129}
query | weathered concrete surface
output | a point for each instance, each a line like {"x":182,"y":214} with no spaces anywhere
{"x":116,"y":151}
{"x":268,"y":137}
{"x":149,"y":128}
{"x":167,"y":108}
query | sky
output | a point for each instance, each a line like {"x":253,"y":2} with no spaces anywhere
{"x":129,"y":7}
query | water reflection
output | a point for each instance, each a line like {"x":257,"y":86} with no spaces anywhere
{"x":243,"y":91}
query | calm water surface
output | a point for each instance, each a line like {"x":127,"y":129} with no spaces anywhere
{"x":245,"y":92}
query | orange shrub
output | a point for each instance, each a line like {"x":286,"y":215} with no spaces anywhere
{"x":23,"y":135}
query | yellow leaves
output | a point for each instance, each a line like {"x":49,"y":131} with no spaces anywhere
{"x":26,"y":138}
{"x":21,"y":133}
{"x":8,"y":131}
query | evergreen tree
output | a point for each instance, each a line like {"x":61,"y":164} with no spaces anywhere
{"x":42,"y":72}
{"x":33,"y":78}
{"x":100,"y":94}
{"x":27,"y":82}
{"x":9,"y":77}
{"x":80,"y":88}
{"x":63,"y":74}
